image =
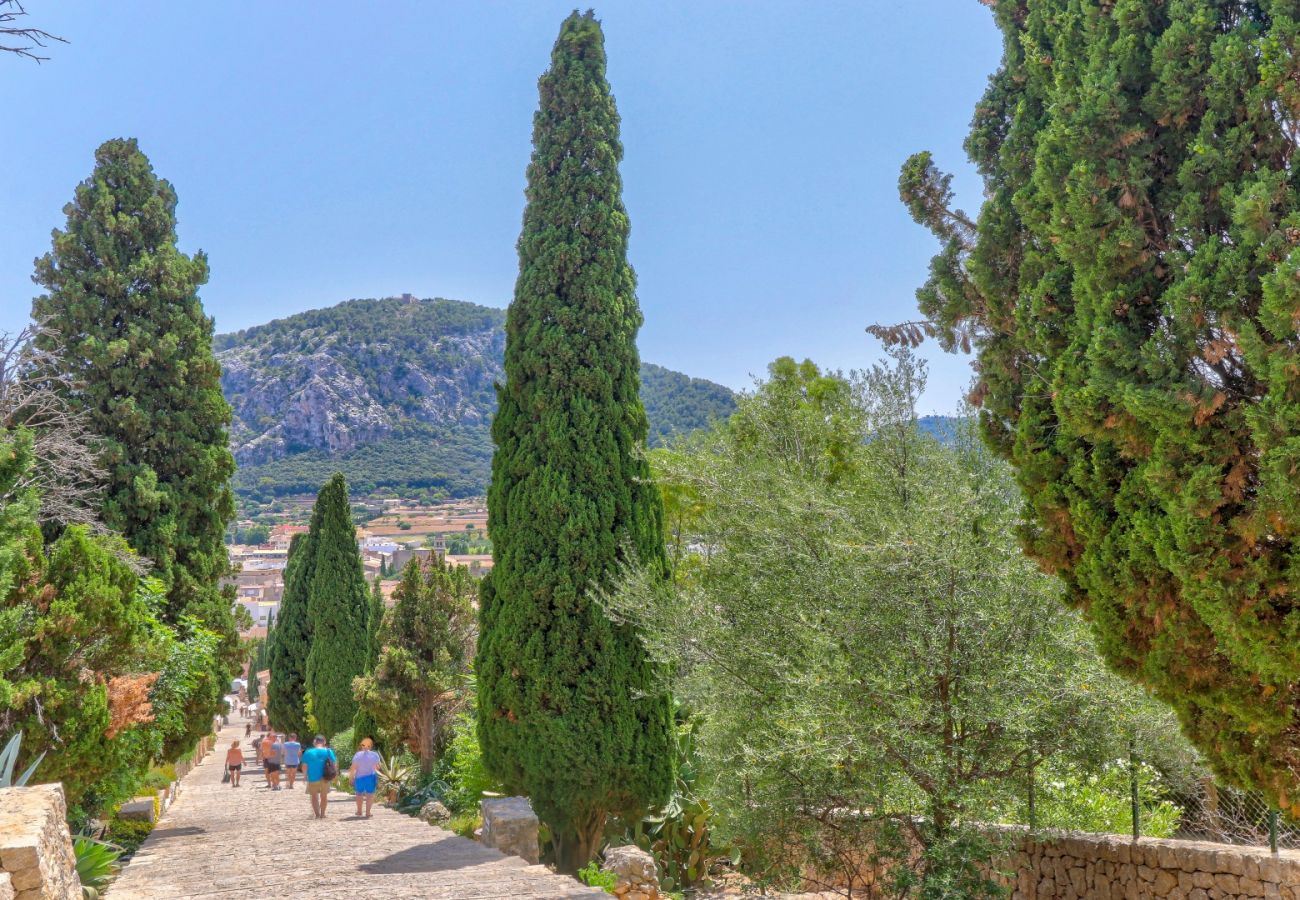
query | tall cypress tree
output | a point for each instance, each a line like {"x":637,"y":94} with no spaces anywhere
{"x":125,"y":321}
{"x":364,"y":724}
{"x":1132,"y":288}
{"x":569,"y":711}
{"x":338,"y":606}
{"x":291,"y":642}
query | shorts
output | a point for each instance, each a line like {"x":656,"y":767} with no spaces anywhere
{"x":235,"y":768}
{"x":365,"y":784}
{"x":270,"y":765}
{"x":318,"y":787}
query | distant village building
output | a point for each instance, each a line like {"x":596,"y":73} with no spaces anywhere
{"x":258,"y":576}
{"x":479,"y":564}
{"x":404,"y":555}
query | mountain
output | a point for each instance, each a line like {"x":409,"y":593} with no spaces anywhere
{"x":943,"y":429}
{"x":395,"y":393}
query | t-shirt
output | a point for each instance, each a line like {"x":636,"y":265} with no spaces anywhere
{"x":234,"y":757}
{"x":315,"y":760}
{"x":270,"y":751}
{"x":367,"y":762}
{"x":292,"y":753}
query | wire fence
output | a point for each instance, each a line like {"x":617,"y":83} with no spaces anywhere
{"x":1184,"y":806}
{"x":1226,"y":815}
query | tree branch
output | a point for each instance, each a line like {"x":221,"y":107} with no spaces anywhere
{"x":19,"y":40}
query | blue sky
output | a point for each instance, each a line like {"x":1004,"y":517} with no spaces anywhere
{"x":326,"y":151}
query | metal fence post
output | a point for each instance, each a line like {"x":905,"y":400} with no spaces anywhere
{"x":1272,"y":830}
{"x":1133,"y":789}
{"x":1033,"y":818}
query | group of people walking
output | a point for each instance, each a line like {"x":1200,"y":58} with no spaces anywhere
{"x":283,"y":758}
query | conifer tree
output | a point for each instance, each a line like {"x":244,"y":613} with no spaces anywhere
{"x":364,"y":724}
{"x":123,"y":317}
{"x":291,"y":642}
{"x":338,"y":606}
{"x":1132,"y":288}
{"x":569,"y":711}
{"x":417,"y":686}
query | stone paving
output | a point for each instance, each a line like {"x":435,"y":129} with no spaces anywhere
{"x":249,"y":842}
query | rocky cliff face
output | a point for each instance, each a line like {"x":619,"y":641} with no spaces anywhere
{"x":302,"y":385}
{"x":394,"y":392}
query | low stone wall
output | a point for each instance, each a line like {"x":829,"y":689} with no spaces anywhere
{"x":1071,"y":866}
{"x":1074,"y":867}
{"x":510,"y":825}
{"x":36,"y":861}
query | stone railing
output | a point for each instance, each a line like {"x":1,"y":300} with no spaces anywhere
{"x":36,"y":861}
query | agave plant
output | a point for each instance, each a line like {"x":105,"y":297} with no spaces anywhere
{"x":393,"y":776}
{"x":9,"y":760}
{"x":96,"y":864}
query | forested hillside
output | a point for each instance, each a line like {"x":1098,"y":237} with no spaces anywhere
{"x":395,"y":393}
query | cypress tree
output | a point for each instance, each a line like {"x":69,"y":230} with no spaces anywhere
{"x":338,"y":606}
{"x":134,"y":347}
{"x":1132,"y":288}
{"x":291,"y":642}
{"x":569,"y":709}
{"x":364,"y":724}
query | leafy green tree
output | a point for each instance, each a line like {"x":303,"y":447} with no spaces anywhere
{"x":1130,"y":287}
{"x":338,"y":606}
{"x":286,"y":692}
{"x":569,"y":711}
{"x":863,"y":634}
{"x":87,"y":672}
{"x":133,"y":351}
{"x":417,"y":687}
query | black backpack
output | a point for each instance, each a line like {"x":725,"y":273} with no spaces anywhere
{"x":331,"y":768}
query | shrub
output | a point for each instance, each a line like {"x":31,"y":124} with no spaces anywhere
{"x":128,"y":834}
{"x":465,"y":823}
{"x":1099,"y":801}
{"x":158,"y":777}
{"x":593,"y":876}
{"x":464,"y":771}
{"x":344,"y":746}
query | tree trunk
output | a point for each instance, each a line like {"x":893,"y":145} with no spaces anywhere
{"x":577,"y":845}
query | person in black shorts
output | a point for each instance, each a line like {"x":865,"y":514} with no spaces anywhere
{"x":270,"y":752}
{"x":234,"y":762}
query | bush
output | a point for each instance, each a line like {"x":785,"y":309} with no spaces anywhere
{"x":593,"y":876}
{"x":465,"y":823}
{"x":158,"y":777}
{"x":463,"y":770}
{"x":128,"y":834}
{"x":1073,"y":799}
{"x":344,"y":746}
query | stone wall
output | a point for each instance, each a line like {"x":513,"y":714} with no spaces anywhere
{"x":510,"y":825}
{"x":36,"y":861}
{"x":1111,"y":866}
{"x":1106,"y":867}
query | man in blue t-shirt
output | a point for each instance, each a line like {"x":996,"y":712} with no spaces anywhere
{"x":318,"y":786}
{"x":291,"y":753}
